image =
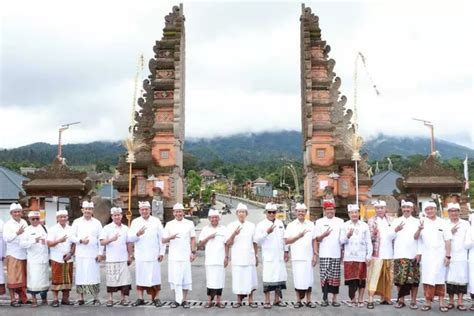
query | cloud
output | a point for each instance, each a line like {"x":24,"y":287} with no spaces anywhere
{"x":63,"y":62}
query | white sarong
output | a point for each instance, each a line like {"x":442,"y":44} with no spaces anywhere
{"x":117,"y":274}
{"x":274,"y":271}
{"x":180,"y":278}
{"x":458,"y":273}
{"x":215,"y":276}
{"x":37,"y":276}
{"x":244,"y":279}
{"x":303,"y":274}
{"x":147,"y":273}
{"x":87,"y":271}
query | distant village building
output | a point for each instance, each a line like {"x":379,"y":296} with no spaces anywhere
{"x":10,"y":188}
{"x":207,"y":176}
{"x":262,"y":187}
{"x":25,"y":170}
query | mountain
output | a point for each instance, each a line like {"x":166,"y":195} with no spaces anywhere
{"x":239,"y":149}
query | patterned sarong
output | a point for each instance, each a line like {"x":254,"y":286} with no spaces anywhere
{"x":406,"y":271}
{"x":330,"y":271}
{"x":355,"y":271}
{"x":92,"y":289}
{"x":433,"y":290}
{"x":61,"y":275}
{"x":380,"y":278}
{"x":16,"y":273}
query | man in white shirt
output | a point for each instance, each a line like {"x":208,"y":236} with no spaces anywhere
{"x":469,"y":243}
{"x":380,"y":266}
{"x":327,"y":230}
{"x":2,"y":256}
{"x":357,"y":243}
{"x":118,"y":256}
{"x":458,"y":269}
{"x":435,"y":236}
{"x":270,"y":234}
{"x":212,"y":238}
{"x":85,"y":233}
{"x":15,"y":255}
{"x":146,"y":232}
{"x":300,"y":236}
{"x":181,"y":236}
{"x":406,"y":263}
{"x":61,"y":251}
{"x":37,"y":256}
{"x":244,"y":259}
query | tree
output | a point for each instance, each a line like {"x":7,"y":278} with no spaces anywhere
{"x":102,"y":166}
{"x":193,"y":183}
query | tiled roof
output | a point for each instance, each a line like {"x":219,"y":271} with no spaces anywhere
{"x":10,"y":184}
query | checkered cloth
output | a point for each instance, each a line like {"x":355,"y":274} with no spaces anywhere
{"x":330,"y":271}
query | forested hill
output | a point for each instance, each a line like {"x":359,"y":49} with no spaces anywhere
{"x":238,"y":149}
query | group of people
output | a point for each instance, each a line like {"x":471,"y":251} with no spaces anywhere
{"x":435,"y":252}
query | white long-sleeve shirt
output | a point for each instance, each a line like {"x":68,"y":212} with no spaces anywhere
{"x":12,"y":240}
{"x":242,"y":251}
{"x":149,"y":246}
{"x":36,"y":251}
{"x":458,"y":248}
{"x":358,"y":247}
{"x":405,"y":246}
{"x":2,"y":242}
{"x":180,"y":247}
{"x":302,"y":249}
{"x":273,"y":244}
{"x":330,"y":246}
{"x":57,"y":232}
{"x":82,"y":228}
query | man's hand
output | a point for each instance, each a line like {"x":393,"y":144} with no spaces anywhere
{"x":130,"y":260}
{"x":399,"y":227}
{"x":211,"y":236}
{"x":141,"y":231}
{"x":99,"y":258}
{"x":237,"y":231}
{"x":226,"y":262}
{"x":349,"y":233}
{"x":454,"y":230}
{"x":20,"y":230}
{"x":160,"y":258}
{"x":116,"y":236}
{"x":67,"y":257}
{"x":286,"y":256}
{"x":302,"y":233}
{"x":62,"y":239}
{"x":326,"y":233}
{"x":446,"y":261}
{"x":420,"y":228}
{"x":84,"y":240}
{"x":270,"y":229}
{"x":314,"y":260}
{"x":418,"y":258}
{"x":174,"y":236}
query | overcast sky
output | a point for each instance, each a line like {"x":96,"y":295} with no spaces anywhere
{"x":65,"y":61}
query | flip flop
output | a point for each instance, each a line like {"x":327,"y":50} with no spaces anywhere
{"x":279,"y":304}
{"x":310,"y":305}
{"x":109,"y":304}
{"x":462,"y":308}
{"x":324,"y":303}
{"x":472,"y":307}
{"x":267,"y":306}
{"x":370,"y":305}
{"x":335,"y":304}
{"x":450,"y":306}
{"x":253,"y":305}
{"x":236,"y":305}
{"x":426,"y":308}
{"x":413,"y":306}
{"x":298,"y":305}
{"x":55,"y":304}
{"x":444,"y":309}
{"x":208,"y":305}
{"x":220,"y":305}
{"x":400,"y":305}
{"x":174,"y":304}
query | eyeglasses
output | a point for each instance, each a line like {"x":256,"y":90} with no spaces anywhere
{"x":271,"y":212}
{"x":34,"y":219}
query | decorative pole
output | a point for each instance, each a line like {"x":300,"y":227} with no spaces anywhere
{"x":131,"y":144}
{"x":357,"y":140}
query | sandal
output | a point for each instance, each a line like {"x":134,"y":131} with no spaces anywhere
{"x":236,"y":305}
{"x":426,"y":308}
{"x":124,"y":302}
{"x":157,"y":302}
{"x":413,"y":306}
{"x":472,"y":307}
{"x":386,"y":303}
{"x":462,"y":308}
{"x":279,"y":304}
{"x":55,"y":304}
{"x":310,"y":305}
{"x":360,"y":304}
{"x":15,"y":304}
{"x":67,"y":303}
{"x":444,"y":309}
{"x":298,"y":305}
{"x":254,"y":305}
{"x":370,"y":305}
{"x":220,"y":305}
{"x":109,"y":304}
{"x":208,"y":305}
{"x":267,"y":306}
{"x":139,"y":302}
{"x":450,"y":306}
{"x":174,"y":304}
{"x":81,"y":302}
{"x":400,"y":305}
{"x":324,"y":303}
{"x":185,"y":304}
{"x":335,"y":304}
